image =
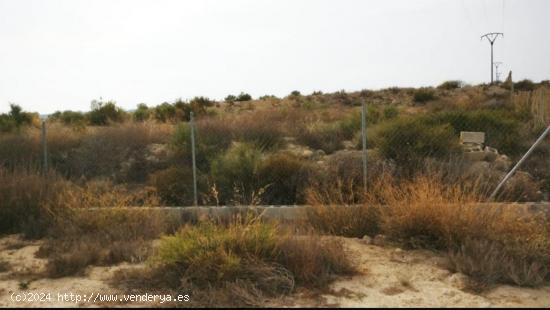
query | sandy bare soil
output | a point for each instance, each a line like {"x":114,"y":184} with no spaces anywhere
{"x":23,"y":273}
{"x":389,"y":277}
{"x":392,"y":277}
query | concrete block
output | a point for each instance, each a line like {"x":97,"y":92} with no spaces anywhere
{"x":472,"y":137}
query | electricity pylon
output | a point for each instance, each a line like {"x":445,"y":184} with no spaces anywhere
{"x":491,"y":37}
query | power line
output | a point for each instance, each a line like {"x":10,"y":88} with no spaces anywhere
{"x":491,"y":37}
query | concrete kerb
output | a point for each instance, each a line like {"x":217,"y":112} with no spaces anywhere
{"x":291,"y":213}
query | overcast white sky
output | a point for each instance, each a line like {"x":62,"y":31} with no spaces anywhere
{"x":61,"y":54}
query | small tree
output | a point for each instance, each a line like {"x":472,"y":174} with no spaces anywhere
{"x":243,"y":97}
{"x":104,"y":113}
{"x":230,"y":98}
{"x":142,"y":113}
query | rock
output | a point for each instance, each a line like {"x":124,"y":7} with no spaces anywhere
{"x":458,"y":280}
{"x":348,"y":145}
{"x":366,"y":239}
{"x":157,"y":153}
{"x":502,"y":163}
{"x":491,"y":154}
{"x":306,"y":153}
{"x":475,"y":156}
{"x":318,"y":154}
{"x":379,"y":240}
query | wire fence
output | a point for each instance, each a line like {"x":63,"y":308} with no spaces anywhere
{"x":277,"y":151}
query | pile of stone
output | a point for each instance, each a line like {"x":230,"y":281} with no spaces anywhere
{"x":475,"y":150}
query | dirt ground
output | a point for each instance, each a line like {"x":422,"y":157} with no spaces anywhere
{"x":390,"y":277}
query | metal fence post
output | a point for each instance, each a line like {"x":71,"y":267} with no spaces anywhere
{"x":192,"y":124}
{"x":364,"y":141}
{"x":44,"y":149}
{"x":539,"y":140}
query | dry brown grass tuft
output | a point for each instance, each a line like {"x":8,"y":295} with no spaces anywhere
{"x":26,"y":197}
{"x":491,"y":242}
{"x":102,"y":237}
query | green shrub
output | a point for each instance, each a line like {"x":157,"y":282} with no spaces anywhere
{"x":408,"y":141}
{"x":174,"y":185}
{"x":423,"y":95}
{"x":295,"y":93}
{"x":142,"y":113}
{"x":502,"y":128}
{"x":104,"y":113}
{"x":258,"y":129}
{"x":350,"y":125}
{"x":212,"y":255}
{"x":237,"y":170}
{"x":164,"y":112}
{"x":524,"y":85}
{"x":284,"y":176}
{"x":15,"y":119}
{"x":323,"y":136}
{"x":449,"y":85}
{"x":230,"y":98}
{"x":390,"y":112}
{"x":243,"y":97}
{"x":212,"y":137}
{"x":69,"y":118}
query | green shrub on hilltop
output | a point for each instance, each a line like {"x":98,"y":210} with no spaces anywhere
{"x":449,"y":85}
{"x":142,"y":113}
{"x":423,"y":95}
{"x":524,"y":85}
{"x":243,"y":97}
{"x":69,"y":118}
{"x":15,"y":119}
{"x":105,"y":113}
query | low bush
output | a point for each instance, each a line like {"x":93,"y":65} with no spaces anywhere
{"x":323,"y":136}
{"x":240,"y":264}
{"x":102,"y":237}
{"x":237,"y":173}
{"x":284,"y":177}
{"x":243,"y":97}
{"x":492,"y":243}
{"x":423,"y":95}
{"x":174,"y":185}
{"x":502,"y":128}
{"x":69,"y":118}
{"x":15,"y":119}
{"x":450,"y":85}
{"x":408,"y":141}
{"x":524,"y":85}
{"x":105,"y":113}
{"x":26,"y":199}
{"x":142,"y":113}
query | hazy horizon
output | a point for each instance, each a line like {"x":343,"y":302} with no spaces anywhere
{"x":62,"y":54}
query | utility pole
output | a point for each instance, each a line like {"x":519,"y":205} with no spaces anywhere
{"x":192,"y":125}
{"x":44,"y":149}
{"x":497,"y":74}
{"x":491,"y":37}
{"x":364,"y":144}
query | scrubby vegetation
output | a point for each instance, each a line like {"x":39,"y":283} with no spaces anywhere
{"x":424,"y":191}
{"x":491,"y":243}
{"x":240,"y":264}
